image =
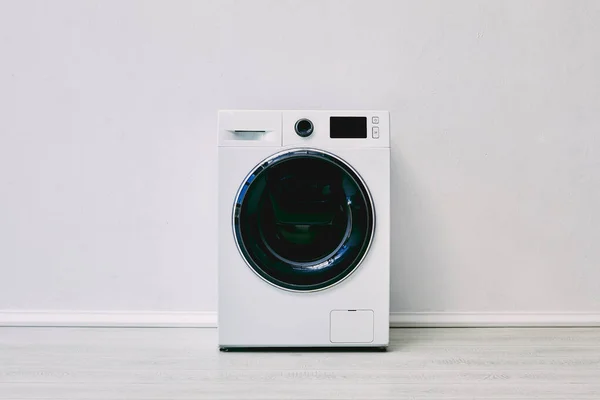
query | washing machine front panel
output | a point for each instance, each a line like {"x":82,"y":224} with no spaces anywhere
{"x":303,"y":220}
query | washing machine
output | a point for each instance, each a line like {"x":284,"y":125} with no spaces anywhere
{"x":303,"y":229}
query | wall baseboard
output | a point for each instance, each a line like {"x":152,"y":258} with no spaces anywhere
{"x":177,"y":319}
{"x":493,"y":319}
{"x":193,"y":319}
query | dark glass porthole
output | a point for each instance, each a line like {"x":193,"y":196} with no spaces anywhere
{"x":303,"y":220}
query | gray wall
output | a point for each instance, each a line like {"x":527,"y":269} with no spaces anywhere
{"x":108,"y":143}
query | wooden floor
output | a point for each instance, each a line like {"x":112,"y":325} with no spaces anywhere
{"x":152,"y":363}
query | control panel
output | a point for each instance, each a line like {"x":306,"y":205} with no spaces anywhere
{"x":343,"y":128}
{"x":306,"y":128}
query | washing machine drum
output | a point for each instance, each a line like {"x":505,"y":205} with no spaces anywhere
{"x":303,"y":220}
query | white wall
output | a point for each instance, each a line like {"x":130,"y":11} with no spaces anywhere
{"x":108,"y":144}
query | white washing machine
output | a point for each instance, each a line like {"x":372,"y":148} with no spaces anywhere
{"x":304,"y":229}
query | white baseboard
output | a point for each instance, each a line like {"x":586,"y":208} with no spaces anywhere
{"x":492,"y":319}
{"x":189,"y":319}
{"x":178,"y":319}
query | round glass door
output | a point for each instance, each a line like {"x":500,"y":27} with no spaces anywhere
{"x":303,"y":220}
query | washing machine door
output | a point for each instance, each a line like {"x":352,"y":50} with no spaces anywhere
{"x":303,"y":220}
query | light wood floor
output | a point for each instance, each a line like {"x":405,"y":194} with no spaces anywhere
{"x":115,"y":363}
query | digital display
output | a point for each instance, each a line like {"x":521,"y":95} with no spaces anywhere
{"x":348,"y":127}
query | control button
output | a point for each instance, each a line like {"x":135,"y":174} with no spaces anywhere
{"x":375,"y":120}
{"x":375,"y":132}
{"x":304,"y":127}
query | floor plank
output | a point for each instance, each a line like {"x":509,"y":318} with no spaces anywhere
{"x":156,"y":363}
